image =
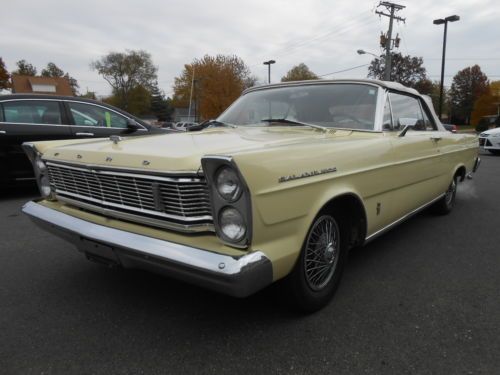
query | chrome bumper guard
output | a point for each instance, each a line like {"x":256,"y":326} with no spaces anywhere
{"x":235,"y":276}
{"x":477,"y":163}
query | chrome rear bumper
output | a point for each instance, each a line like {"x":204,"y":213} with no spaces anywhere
{"x":235,"y":276}
{"x":477,"y":163}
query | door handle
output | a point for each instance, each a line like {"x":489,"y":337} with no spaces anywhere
{"x":85,"y":134}
{"x":436,"y":138}
{"x":3,"y":132}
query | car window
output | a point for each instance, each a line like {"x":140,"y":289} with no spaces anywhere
{"x":387,"y":121}
{"x":429,"y":125}
{"x":406,"y":107}
{"x":343,"y":105}
{"x":92,"y":115}
{"x":1,"y":113}
{"x":32,"y":112}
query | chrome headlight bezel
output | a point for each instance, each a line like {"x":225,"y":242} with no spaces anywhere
{"x":40,"y":169}
{"x":212,"y":166}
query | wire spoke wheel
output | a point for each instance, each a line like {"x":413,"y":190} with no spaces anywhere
{"x":322,"y":252}
{"x":450,"y":193}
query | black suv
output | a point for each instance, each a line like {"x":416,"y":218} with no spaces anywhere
{"x":31,"y":117}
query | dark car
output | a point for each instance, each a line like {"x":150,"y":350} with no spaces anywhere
{"x":450,"y":128}
{"x":31,"y":117}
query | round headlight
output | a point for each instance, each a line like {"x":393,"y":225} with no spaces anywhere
{"x":228,"y":184}
{"x":232,"y":224}
{"x":45,"y":189}
{"x":41,"y":166}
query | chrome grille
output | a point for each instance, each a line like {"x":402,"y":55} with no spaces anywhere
{"x":183,"y":200}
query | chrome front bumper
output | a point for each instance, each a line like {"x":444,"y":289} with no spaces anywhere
{"x":235,"y":276}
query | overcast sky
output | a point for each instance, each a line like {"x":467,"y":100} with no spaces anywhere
{"x":324,"y":34}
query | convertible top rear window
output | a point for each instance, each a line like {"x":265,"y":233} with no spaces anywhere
{"x":342,"y":105}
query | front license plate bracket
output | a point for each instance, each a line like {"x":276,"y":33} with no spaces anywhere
{"x":99,"y":253}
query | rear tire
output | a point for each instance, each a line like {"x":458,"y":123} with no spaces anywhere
{"x":445,"y":205}
{"x":316,"y":275}
{"x":495,"y":152}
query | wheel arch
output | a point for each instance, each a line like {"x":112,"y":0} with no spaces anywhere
{"x":461,"y":172}
{"x":352,"y":210}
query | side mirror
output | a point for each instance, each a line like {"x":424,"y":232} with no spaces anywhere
{"x":406,"y":123}
{"x":132,"y":124}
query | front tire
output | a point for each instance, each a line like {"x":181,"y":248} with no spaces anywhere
{"x":494,"y":152}
{"x":316,"y":275}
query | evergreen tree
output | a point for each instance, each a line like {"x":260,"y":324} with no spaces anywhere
{"x":158,"y":103}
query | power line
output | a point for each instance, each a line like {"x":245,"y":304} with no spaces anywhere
{"x":353,"y":23}
{"x":343,"y":70}
{"x":464,"y":58}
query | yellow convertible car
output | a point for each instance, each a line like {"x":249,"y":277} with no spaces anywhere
{"x":280,"y":186}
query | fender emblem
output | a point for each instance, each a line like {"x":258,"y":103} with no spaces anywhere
{"x":307,"y":174}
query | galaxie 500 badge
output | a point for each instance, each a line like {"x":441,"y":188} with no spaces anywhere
{"x":307,"y":174}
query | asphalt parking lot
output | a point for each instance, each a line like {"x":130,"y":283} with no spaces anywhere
{"x":422,"y":299}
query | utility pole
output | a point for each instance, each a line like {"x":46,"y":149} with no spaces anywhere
{"x":191,"y":96}
{"x":387,"y":42}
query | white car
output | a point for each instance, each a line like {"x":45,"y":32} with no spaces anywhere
{"x":183,"y":126}
{"x":490,"y":140}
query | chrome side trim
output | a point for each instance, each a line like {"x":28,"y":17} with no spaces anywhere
{"x":140,"y":219}
{"x":237,"y":276}
{"x":401,"y":219}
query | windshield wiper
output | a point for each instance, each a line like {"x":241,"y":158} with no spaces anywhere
{"x":292,"y":122}
{"x":206,"y":124}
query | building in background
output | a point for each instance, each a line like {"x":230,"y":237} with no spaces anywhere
{"x":41,"y":85}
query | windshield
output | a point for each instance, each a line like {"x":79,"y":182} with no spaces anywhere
{"x":339,"y":105}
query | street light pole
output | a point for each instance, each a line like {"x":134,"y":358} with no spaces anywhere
{"x":269,"y":63}
{"x":444,"y":21}
{"x":378,"y":58}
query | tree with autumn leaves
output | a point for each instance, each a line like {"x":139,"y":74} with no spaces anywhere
{"x":4,"y":76}
{"x":213,"y":83}
{"x":487,"y":104}
{"x":468,"y":85}
{"x":299,"y":72}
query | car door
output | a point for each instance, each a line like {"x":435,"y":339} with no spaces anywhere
{"x":24,"y":120}
{"x":417,"y":162}
{"x":94,"y":121}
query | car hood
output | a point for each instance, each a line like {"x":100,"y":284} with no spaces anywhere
{"x":183,"y":151}
{"x":490,"y":132}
